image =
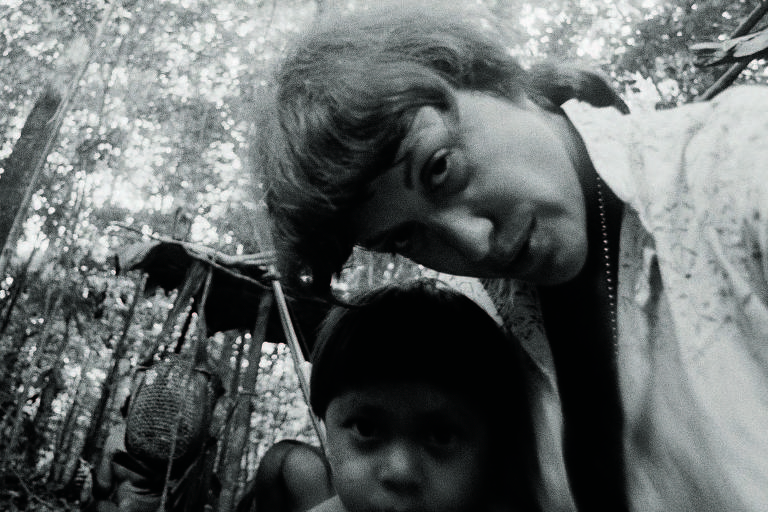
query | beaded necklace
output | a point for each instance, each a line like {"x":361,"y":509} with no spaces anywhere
{"x":610,"y":279}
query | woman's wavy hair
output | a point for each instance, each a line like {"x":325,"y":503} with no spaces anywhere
{"x":344,"y":98}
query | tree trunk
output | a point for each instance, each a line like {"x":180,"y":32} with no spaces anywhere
{"x":48,"y":129}
{"x":95,"y":438}
{"x":28,"y":151}
{"x":21,"y":395}
{"x":18,"y":286}
{"x":9,"y":378}
{"x":61,"y":454}
{"x":241,"y":418}
{"x":196,"y":274}
{"x":232,"y":385}
{"x":225,"y":368}
{"x":12,"y":375}
{"x":52,"y":383}
{"x":76,"y":439}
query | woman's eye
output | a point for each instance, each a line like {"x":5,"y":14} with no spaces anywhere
{"x":401,"y":240}
{"x":437,"y":169}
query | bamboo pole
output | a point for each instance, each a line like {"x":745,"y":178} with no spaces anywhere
{"x":198,"y":349}
{"x":295,"y":349}
{"x":735,"y":70}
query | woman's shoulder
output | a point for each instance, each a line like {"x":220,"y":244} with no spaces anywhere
{"x":742,"y":97}
{"x":729,"y":146}
{"x":740,"y":114}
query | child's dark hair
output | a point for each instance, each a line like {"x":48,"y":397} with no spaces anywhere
{"x":422,"y":331}
{"x":345,"y":97}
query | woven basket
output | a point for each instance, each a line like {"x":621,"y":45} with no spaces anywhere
{"x":160,"y":404}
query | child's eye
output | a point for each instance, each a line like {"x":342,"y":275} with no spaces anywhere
{"x":441,"y":436}
{"x":437,"y":169}
{"x":365,"y":428}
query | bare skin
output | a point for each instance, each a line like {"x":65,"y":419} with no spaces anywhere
{"x":405,"y":447}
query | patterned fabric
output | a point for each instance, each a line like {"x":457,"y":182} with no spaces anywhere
{"x":693,"y":292}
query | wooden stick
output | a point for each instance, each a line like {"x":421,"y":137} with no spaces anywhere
{"x":295,"y":349}
{"x":735,"y":70}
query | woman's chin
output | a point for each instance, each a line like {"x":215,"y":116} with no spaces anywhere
{"x":556,"y":271}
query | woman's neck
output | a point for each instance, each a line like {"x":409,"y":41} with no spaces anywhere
{"x":579,"y":319}
{"x":593,"y":193}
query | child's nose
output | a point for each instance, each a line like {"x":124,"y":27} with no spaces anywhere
{"x":401,"y":468}
{"x":467,"y":233}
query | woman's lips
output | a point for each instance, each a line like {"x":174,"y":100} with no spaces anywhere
{"x":513,"y":260}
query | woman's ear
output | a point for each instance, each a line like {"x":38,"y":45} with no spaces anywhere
{"x":560,"y":83}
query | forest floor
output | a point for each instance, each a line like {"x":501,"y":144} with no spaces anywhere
{"x":17,"y":495}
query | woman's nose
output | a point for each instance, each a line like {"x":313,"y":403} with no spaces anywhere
{"x":400,"y":468}
{"x":464,"y":231}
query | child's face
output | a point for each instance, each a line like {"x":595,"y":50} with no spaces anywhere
{"x":491,"y":194}
{"x":406,"y":448}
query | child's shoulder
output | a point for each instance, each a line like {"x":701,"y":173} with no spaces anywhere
{"x":330,"y":505}
{"x":303,"y":466}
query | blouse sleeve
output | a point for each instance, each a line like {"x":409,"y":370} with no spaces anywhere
{"x":731,"y":152}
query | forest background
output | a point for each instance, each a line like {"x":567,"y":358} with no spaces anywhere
{"x":126,"y":124}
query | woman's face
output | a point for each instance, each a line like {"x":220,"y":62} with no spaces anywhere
{"x":489,"y":192}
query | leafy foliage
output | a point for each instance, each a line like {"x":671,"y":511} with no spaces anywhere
{"x":154,"y":141}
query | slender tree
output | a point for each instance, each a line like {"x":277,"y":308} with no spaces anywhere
{"x":241,"y":418}
{"x":30,"y":149}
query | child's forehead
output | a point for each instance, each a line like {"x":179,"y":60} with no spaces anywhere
{"x":406,"y":398}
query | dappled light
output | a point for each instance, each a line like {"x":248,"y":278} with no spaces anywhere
{"x":133,"y":224}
